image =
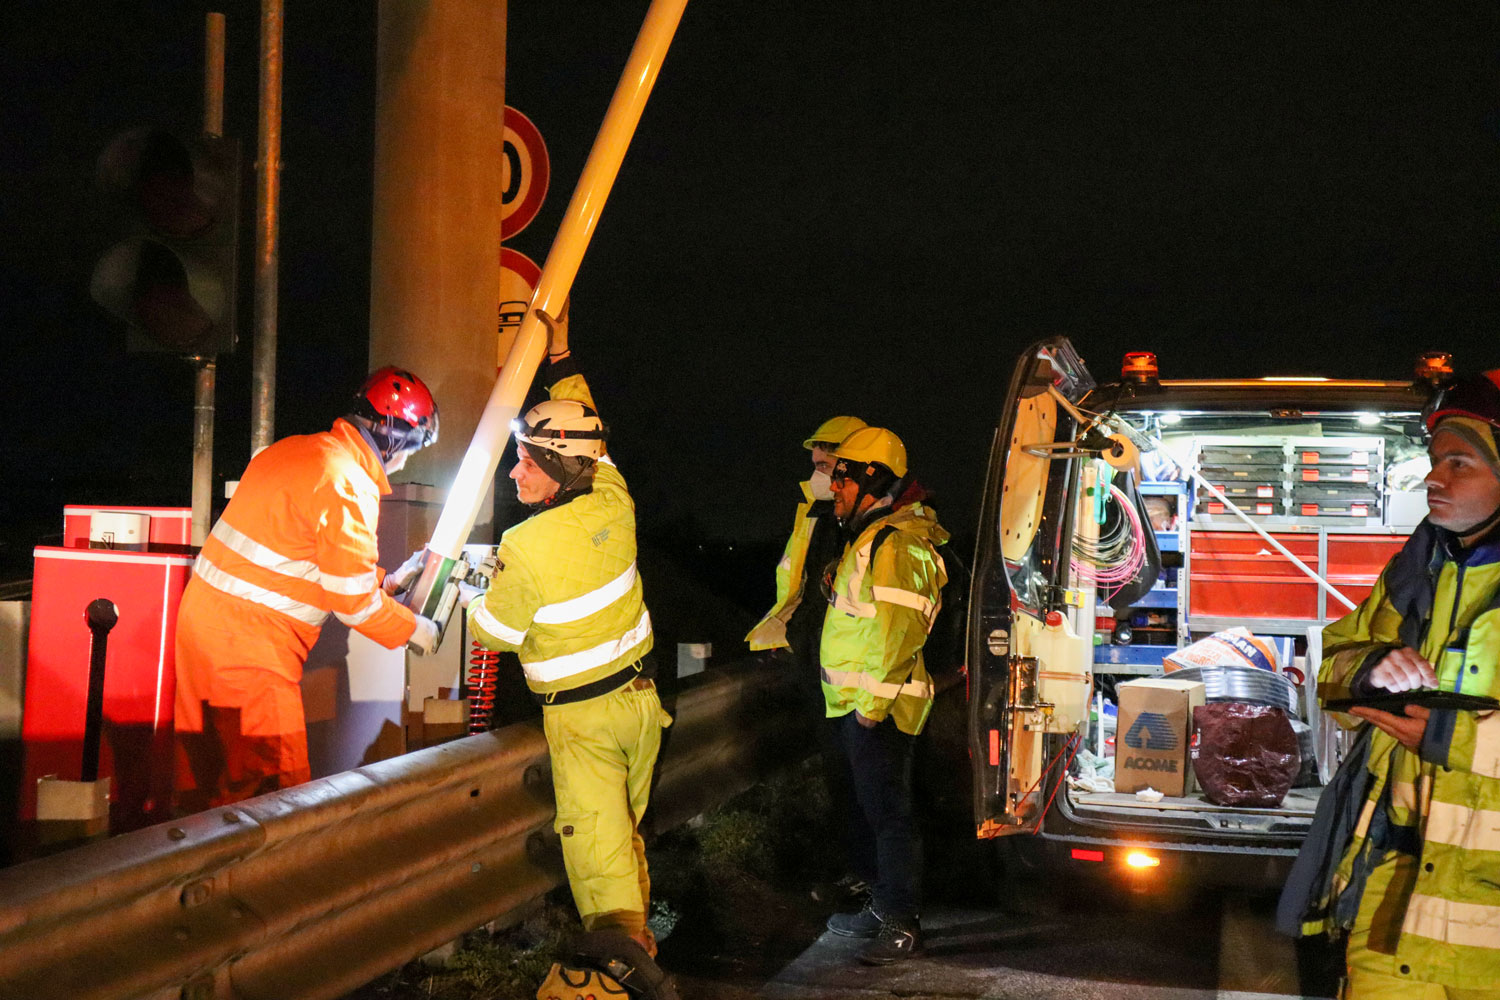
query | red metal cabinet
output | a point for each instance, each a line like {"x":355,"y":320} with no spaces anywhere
{"x":136,"y":750}
{"x":1235,"y":574}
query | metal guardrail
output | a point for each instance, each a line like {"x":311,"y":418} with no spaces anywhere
{"x":315,"y":890}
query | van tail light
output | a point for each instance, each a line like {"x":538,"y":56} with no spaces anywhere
{"x":1079,"y":854}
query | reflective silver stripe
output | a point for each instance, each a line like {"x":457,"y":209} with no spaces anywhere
{"x":495,"y":626}
{"x":349,"y":585}
{"x":235,"y":587}
{"x":1469,"y":924}
{"x":1404,"y":795}
{"x":880,"y":689}
{"x":303,"y":569}
{"x":849,"y":602}
{"x":905,"y":598}
{"x":1471,"y":829}
{"x":584,"y":605}
{"x":267,"y":558}
{"x":606,"y":460}
{"x":858,"y":609}
{"x":1487,"y":746}
{"x":558,"y":667}
{"x":363,"y":614}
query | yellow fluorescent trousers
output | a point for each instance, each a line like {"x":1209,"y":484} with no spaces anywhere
{"x":603,"y":751}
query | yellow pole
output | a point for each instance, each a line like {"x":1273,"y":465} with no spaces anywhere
{"x":483,"y":457}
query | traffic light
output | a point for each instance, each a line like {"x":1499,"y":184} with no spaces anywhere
{"x":171,"y":277}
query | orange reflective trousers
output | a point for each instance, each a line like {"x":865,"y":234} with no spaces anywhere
{"x":240,"y":729}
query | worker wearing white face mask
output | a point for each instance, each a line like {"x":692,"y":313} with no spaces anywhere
{"x":795,"y":622}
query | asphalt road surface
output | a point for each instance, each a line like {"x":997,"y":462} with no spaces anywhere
{"x":1220,"y":946}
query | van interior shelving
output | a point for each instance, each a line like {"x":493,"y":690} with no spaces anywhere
{"x":1340,"y":489}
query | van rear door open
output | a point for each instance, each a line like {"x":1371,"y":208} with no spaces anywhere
{"x":1021,"y":574}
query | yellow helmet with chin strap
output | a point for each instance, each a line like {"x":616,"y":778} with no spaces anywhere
{"x":833,"y":430}
{"x":873,"y":444}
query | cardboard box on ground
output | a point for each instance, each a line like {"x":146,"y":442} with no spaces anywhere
{"x":1155,"y":728}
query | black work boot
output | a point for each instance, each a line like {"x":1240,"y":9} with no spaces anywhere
{"x":897,"y":941}
{"x":864,"y":924}
{"x":847,"y":890}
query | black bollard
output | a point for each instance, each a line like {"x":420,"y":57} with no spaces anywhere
{"x":101,"y":616}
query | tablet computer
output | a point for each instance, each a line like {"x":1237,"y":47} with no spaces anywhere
{"x":1396,"y":701}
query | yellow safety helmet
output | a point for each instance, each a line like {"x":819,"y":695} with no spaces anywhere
{"x":874,"y":444}
{"x":833,"y":430}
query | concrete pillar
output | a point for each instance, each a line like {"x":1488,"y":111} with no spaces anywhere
{"x":439,"y":106}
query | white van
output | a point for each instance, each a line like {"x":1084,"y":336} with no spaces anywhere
{"x":1141,"y":516}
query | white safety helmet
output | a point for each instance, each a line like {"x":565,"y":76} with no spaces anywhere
{"x":564,"y":426}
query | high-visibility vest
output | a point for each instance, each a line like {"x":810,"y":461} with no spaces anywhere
{"x":567,"y":597}
{"x":770,"y":631}
{"x":887,"y":593}
{"x":1436,"y":896}
{"x":298,"y":539}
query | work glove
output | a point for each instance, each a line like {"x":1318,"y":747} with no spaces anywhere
{"x":557,"y":331}
{"x":405,"y":575}
{"x":424,"y":641}
{"x":467,"y":593}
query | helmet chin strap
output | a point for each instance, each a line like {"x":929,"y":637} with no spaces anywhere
{"x":1482,"y":528}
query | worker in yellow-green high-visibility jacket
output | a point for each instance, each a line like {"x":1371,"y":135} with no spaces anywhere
{"x":883,"y":598}
{"x":1414,"y":881}
{"x":567,"y":599}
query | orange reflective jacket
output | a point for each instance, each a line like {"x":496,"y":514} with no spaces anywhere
{"x":297,"y":540}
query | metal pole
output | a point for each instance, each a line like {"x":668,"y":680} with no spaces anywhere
{"x":480,"y":461}
{"x":206,"y":368}
{"x":267,"y":224}
{"x":203,"y":447}
{"x":213,"y":75}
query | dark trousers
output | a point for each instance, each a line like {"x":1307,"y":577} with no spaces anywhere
{"x":883,"y":835}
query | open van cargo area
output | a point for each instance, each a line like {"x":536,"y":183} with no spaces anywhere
{"x":1338,"y":488}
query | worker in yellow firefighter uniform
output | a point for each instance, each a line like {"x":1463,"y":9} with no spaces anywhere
{"x":567,"y":599}
{"x":296,"y":543}
{"x":883,"y":598}
{"x":1426,"y":847}
{"x":795,"y":624}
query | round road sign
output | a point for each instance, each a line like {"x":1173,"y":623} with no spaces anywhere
{"x":525,"y":170}
{"x":518,"y":278}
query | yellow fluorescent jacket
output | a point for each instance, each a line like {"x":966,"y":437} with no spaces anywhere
{"x":881,"y":613}
{"x":567,"y":598}
{"x":770,"y":632}
{"x":1439,"y":911}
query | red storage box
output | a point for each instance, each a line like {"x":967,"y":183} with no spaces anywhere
{"x":1235,"y":574}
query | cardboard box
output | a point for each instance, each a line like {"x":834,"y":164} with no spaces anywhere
{"x":1155,"y":728}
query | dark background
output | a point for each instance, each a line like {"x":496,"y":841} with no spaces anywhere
{"x":861,"y":207}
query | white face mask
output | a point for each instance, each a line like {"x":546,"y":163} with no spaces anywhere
{"x":822,"y":487}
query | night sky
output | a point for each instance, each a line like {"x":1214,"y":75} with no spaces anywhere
{"x":863,"y":207}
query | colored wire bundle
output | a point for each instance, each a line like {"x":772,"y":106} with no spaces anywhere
{"x":1116,"y":557}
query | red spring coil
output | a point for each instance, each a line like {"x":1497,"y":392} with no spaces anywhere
{"x":484,"y":670}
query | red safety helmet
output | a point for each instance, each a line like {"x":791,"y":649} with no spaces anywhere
{"x":1476,"y":396}
{"x":400,"y":407}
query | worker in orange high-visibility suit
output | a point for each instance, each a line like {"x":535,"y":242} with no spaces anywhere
{"x":296,"y":543}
